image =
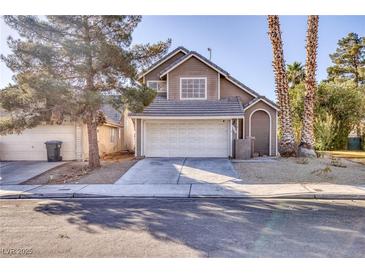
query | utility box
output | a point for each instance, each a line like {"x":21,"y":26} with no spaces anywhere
{"x":54,"y":151}
{"x":244,"y":148}
{"x":354,"y":143}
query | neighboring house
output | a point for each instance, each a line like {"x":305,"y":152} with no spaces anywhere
{"x":29,"y":145}
{"x":199,"y":111}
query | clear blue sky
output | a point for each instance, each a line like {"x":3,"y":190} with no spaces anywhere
{"x":240,"y":43}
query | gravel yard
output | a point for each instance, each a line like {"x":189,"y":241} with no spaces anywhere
{"x":112,"y":168}
{"x":296,"y":170}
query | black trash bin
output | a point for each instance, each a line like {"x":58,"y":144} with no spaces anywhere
{"x":53,"y":151}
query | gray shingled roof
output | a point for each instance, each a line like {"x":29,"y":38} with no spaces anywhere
{"x":163,"y":107}
{"x":111,"y":113}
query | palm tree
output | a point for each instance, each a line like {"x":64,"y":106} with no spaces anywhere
{"x":306,"y":147}
{"x":287,"y":147}
{"x":295,"y":73}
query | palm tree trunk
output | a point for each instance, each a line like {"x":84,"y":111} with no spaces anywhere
{"x":287,"y":146}
{"x":306,"y":147}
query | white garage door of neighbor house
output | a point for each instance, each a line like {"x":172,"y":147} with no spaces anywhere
{"x":186,"y":138}
{"x":30,"y":144}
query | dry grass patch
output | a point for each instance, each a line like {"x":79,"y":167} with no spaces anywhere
{"x":297,"y":170}
{"x":112,"y":168}
{"x":356,"y":156}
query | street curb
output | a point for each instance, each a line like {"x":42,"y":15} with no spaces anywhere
{"x":40,"y":195}
{"x":307,"y":196}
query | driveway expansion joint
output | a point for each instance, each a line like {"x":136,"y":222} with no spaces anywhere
{"x":182,"y":166}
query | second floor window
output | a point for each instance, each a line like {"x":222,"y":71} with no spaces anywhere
{"x":159,"y":86}
{"x":193,"y":88}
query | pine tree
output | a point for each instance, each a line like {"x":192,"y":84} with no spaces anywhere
{"x":349,"y":60}
{"x":63,"y":65}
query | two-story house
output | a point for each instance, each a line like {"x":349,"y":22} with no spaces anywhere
{"x":199,"y":111}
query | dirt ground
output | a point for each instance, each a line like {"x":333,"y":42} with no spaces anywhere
{"x":296,"y":170}
{"x":112,"y":168}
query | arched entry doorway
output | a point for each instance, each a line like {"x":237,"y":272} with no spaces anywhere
{"x":260,"y":128}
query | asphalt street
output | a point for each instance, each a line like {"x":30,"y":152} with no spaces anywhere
{"x":182,"y":228}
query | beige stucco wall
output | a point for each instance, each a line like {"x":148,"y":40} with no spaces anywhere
{"x":192,"y":68}
{"x":155,"y":74}
{"x":128,"y":132}
{"x":105,"y":144}
{"x":229,"y":89}
{"x":272,"y":111}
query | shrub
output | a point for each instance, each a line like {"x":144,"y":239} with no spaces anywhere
{"x":325,"y":128}
{"x":339,"y":109}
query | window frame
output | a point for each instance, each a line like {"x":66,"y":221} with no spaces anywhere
{"x":157,"y":81}
{"x":194,"y":78}
{"x":114,"y":135}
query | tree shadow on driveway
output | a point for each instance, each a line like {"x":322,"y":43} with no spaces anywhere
{"x":228,"y":227}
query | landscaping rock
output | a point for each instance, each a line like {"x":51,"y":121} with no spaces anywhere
{"x":305,"y":152}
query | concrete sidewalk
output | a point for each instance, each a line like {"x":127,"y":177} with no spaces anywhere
{"x":229,"y":190}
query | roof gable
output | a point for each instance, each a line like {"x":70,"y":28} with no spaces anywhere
{"x":191,"y":54}
{"x":163,"y":60}
{"x":260,"y":99}
{"x":209,"y":63}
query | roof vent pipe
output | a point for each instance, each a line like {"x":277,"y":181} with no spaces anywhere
{"x":210,"y":54}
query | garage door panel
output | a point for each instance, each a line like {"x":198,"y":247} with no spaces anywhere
{"x":30,"y":144}
{"x":194,"y":138}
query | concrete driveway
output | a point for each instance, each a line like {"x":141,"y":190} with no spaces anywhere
{"x":181,"y":171}
{"x":13,"y":173}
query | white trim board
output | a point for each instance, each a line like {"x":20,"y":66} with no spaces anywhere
{"x":270,"y":128}
{"x":262,"y":100}
{"x":167,"y":87}
{"x":230,"y":139}
{"x":157,"y":81}
{"x":135,"y":137}
{"x":186,"y":117}
{"x":276,"y":134}
{"x":219,"y":85}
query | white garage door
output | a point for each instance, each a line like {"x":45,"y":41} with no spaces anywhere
{"x":186,"y":138}
{"x":30,"y":144}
